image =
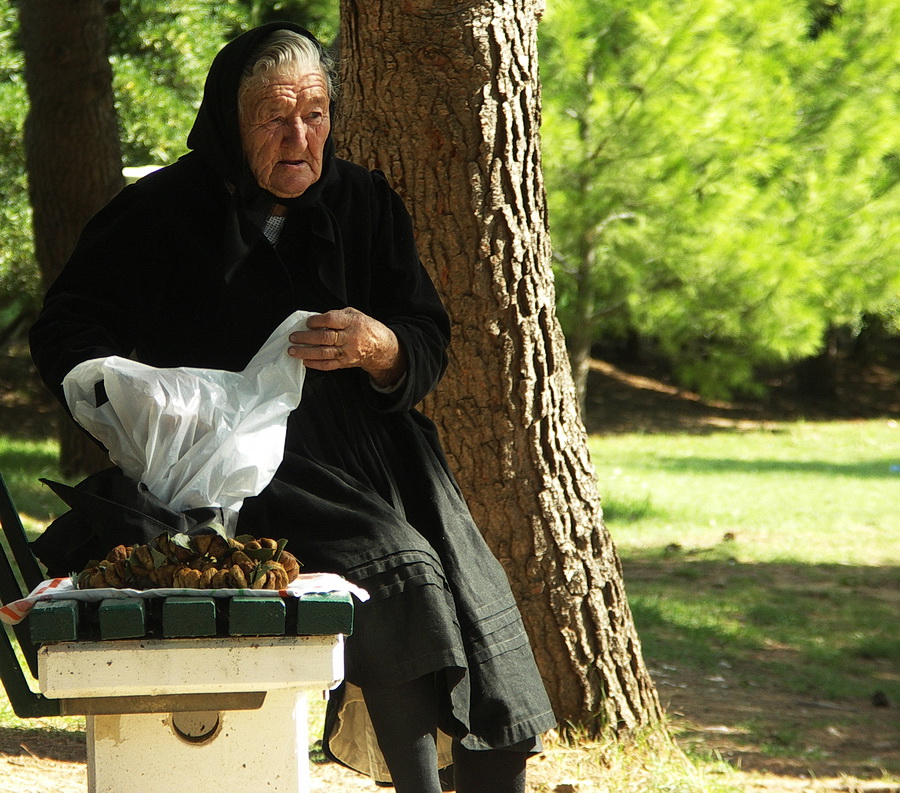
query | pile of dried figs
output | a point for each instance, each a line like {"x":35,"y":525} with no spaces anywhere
{"x":198,"y":561}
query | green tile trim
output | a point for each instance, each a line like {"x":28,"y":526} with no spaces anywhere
{"x":54,"y":621}
{"x":122,"y":619}
{"x":256,"y":616}
{"x":188,"y":617}
{"x":325,"y":614}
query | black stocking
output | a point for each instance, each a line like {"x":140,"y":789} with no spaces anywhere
{"x":488,"y":771}
{"x":405,"y":718}
{"x":405,"y":722}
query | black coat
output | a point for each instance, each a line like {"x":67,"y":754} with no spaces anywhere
{"x":164,"y":275}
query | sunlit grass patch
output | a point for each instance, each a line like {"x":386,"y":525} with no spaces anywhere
{"x":23,"y":463}
{"x":644,"y":763}
{"x":812,"y":492}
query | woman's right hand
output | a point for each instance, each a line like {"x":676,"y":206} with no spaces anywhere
{"x":346,"y":338}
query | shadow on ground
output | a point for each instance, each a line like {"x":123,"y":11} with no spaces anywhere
{"x":797,"y":673}
{"x":46,"y":742}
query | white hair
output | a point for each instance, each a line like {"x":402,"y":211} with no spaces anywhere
{"x":284,"y":50}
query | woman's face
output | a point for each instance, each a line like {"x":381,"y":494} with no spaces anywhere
{"x":283,"y":127}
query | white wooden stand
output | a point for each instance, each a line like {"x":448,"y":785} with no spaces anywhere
{"x":222,"y":714}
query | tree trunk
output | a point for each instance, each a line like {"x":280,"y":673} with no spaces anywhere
{"x":581,"y":337}
{"x":71,"y":147}
{"x":444,"y":97}
{"x":817,"y":376}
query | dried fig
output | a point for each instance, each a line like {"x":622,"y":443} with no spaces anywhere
{"x":176,"y":547}
{"x":238,"y":577}
{"x":218,"y":547}
{"x":259,"y":583}
{"x":206,"y":577}
{"x":165,"y":575}
{"x":119,"y":553}
{"x":221,"y":580}
{"x":83,"y":580}
{"x":277,"y":577}
{"x":142,"y":561}
{"x":201,"y":543}
{"x":113,"y":575}
{"x":187,"y":578}
{"x":290,"y":564}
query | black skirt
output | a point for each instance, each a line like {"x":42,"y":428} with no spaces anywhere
{"x":368,"y":495}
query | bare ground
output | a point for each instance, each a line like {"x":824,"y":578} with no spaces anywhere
{"x":794,"y":736}
{"x":642,"y":399}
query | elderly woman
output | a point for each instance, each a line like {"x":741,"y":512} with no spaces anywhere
{"x":195,"y":265}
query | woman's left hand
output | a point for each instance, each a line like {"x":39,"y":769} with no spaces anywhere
{"x":347,"y":338}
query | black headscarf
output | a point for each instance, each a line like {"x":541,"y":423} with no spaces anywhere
{"x":216,"y":136}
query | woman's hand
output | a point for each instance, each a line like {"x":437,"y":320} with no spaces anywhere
{"x":346,"y":338}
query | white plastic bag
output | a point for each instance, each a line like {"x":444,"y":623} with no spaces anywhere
{"x":194,"y":437}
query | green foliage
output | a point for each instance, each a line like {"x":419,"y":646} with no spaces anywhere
{"x":159,"y":58}
{"x":722,"y":179}
{"x":19,"y":276}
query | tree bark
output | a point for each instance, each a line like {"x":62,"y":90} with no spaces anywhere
{"x":817,"y":376}
{"x":72,"y":148}
{"x":444,"y":97}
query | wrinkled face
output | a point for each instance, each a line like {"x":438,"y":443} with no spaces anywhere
{"x":283,"y":127}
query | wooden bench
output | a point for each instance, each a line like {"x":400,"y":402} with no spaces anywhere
{"x":208,"y":691}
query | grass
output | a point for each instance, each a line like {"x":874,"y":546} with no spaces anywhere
{"x":833,"y":640}
{"x":23,"y":462}
{"x":640,"y":765}
{"x":807,"y":492}
{"x":768,"y":557}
